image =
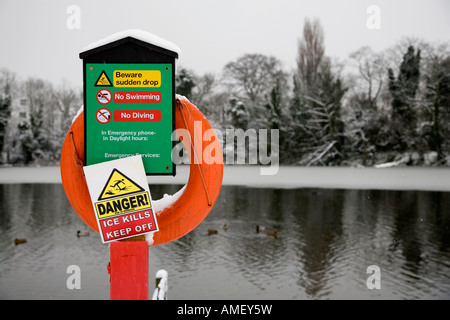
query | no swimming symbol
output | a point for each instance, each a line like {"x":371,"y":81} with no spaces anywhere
{"x":104,"y":96}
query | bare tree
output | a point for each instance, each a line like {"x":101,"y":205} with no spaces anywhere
{"x":254,"y":75}
{"x":371,"y":74}
{"x":311,"y":52}
{"x":67,"y":101}
{"x":202,"y":93}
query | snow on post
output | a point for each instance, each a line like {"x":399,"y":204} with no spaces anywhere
{"x":161,"y":289}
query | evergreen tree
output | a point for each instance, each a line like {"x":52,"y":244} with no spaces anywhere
{"x":296,"y":140}
{"x":403,"y":91}
{"x":27,"y":143}
{"x":184,"y":82}
{"x":273,"y":107}
{"x":437,"y":105}
{"x":332,"y":94}
{"x":238,"y":114}
{"x":5,"y":112}
{"x":277,"y":121}
{"x":7,"y":84}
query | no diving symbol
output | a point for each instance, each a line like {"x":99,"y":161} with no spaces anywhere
{"x":103,"y":115}
{"x":104,"y":96}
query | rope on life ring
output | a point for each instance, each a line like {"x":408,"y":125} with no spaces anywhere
{"x":180,"y":217}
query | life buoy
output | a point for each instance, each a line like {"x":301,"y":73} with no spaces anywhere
{"x":178,"y":218}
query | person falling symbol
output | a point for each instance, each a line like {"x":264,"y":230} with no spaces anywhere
{"x":117,"y":184}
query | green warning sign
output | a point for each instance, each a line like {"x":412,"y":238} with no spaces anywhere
{"x":129,"y":111}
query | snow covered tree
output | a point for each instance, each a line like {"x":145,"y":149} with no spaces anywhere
{"x":367,"y":122}
{"x":67,"y":102}
{"x":320,"y":92}
{"x":27,"y":143}
{"x":252,"y":78}
{"x":202,"y":94}
{"x":437,"y":102}
{"x":239,"y":116}
{"x":296,"y":136}
{"x":403,"y":90}
{"x":370,"y":76}
{"x":7,"y":81}
{"x":5,"y":112}
{"x":44,"y":142}
{"x":274,"y":106}
{"x":279,"y":117}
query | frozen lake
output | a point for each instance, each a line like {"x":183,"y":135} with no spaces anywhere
{"x":331,"y":224}
{"x":399,"y":178}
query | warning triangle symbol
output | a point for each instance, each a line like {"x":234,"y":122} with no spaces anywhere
{"x":117,"y":185}
{"x":103,"y":80}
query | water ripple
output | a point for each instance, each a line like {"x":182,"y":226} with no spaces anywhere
{"x":325,"y":241}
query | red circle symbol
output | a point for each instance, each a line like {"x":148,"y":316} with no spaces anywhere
{"x":103,"y":115}
{"x":104,"y":96}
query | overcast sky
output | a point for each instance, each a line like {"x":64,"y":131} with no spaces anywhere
{"x":35,"y":39}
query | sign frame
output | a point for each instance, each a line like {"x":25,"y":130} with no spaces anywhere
{"x":130,"y":50}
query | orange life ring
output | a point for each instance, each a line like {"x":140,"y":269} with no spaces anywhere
{"x":175,"y":220}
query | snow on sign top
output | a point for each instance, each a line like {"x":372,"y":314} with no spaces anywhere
{"x":137,"y":34}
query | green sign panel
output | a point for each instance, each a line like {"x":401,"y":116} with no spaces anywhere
{"x":129,"y":111}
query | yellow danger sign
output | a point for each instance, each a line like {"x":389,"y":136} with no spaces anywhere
{"x":123,"y":205}
{"x":103,"y":80}
{"x":137,"y":78}
{"x":117,"y":185}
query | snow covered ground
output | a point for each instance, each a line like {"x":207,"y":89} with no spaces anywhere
{"x":395,"y":178}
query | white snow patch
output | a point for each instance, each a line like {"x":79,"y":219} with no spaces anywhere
{"x":181,"y":97}
{"x":405,"y":159}
{"x":137,"y":34}
{"x":166,"y":201}
{"x":159,"y":205}
{"x":149,"y":238}
{"x":78,"y":113}
{"x":160,"y":292}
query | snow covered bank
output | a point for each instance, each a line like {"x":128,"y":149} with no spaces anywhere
{"x":400,"y":178}
{"x":30,"y":175}
{"x":404,"y":178}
